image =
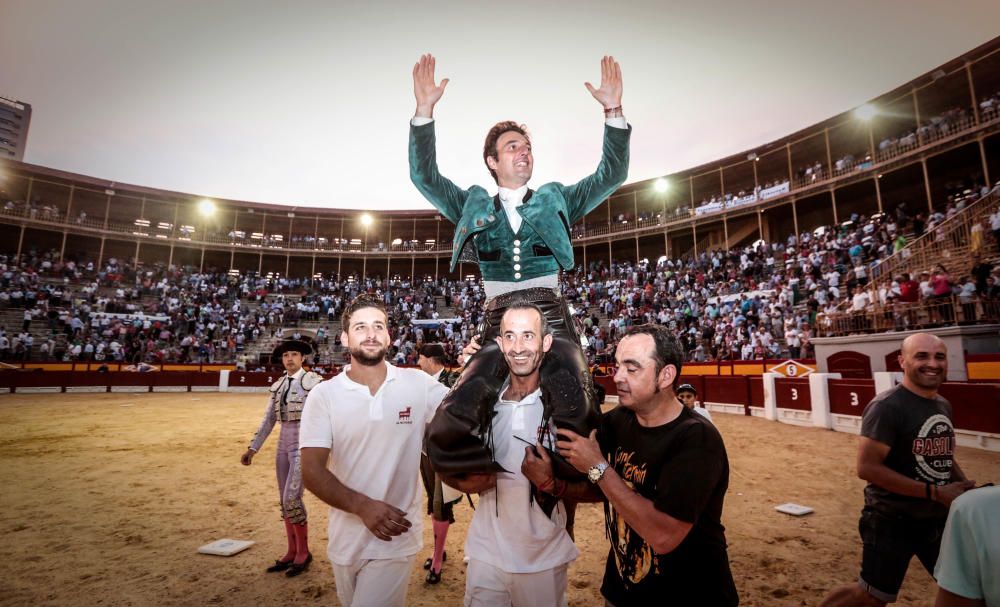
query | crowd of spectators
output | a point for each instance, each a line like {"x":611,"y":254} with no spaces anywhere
{"x":764,"y":300}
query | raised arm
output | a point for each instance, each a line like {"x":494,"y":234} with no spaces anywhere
{"x":437,"y":189}
{"x":425,"y":90}
{"x":585,"y":195}
{"x":609,"y":94}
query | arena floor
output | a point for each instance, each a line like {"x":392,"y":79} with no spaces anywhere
{"x":107,"y":497}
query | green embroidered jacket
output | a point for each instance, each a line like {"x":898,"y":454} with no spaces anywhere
{"x":483,"y":234}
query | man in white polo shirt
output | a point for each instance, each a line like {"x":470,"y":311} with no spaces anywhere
{"x":368,"y":423}
{"x":518,"y":554}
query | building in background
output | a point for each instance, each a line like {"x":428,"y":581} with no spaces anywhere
{"x":15,"y":118}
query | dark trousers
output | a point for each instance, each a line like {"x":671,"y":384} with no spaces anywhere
{"x":457,"y":440}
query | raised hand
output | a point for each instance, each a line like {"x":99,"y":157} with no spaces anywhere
{"x":610,"y":93}
{"x":384,"y":520}
{"x":425,"y":90}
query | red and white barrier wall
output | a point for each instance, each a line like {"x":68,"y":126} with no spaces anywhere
{"x":823,"y":400}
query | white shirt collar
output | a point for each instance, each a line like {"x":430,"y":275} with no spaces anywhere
{"x":513,"y":197}
{"x":390,"y":375}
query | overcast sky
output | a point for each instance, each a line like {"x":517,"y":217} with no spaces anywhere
{"x":307,"y":103}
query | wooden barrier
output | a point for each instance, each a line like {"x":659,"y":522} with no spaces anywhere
{"x":793,"y":399}
{"x":848,"y":398}
{"x":840,"y":406}
{"x":976,"y":409}
{"x":726,"y":394}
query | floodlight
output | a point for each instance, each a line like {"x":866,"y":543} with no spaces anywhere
{"x":661,"y":185}
{"x":866,"y":112}
{"x":366,"y":219}
{"x":206,"y":207}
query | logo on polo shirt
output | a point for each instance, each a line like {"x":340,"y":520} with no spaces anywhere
{"x":404,"y":416}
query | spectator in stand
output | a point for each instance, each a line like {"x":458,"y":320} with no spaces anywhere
{"x":909,"y":289}
{"x":980,"y":271}
{"x":995,"y":227}
{"x":793,"y":338}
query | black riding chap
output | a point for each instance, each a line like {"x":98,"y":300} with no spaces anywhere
{"x":456,"y":438}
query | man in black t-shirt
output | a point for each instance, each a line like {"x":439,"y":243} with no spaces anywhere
{"x":906,"y":454}
{"x":662,"y":472}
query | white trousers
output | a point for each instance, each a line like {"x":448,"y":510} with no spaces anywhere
{"x":487,"y":586}
{"x":374,"y":583}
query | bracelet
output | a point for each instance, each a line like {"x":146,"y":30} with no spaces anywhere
{"x":611,"y":110}
{"x":547,"y":485}
{"x":560,"y":488}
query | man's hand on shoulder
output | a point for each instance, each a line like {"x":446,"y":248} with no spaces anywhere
{"x":427,"y":93}
{"x":610,"y":93}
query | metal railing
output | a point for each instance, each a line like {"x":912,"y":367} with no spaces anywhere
{"x":948,"y":243}
{"x":929,"y":313}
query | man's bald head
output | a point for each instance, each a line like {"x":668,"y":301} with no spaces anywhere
{"x":924,"y":360}
{"x":922,"y":341}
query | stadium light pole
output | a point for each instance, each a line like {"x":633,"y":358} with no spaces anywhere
{"x":366,"y":221}
{"x":661,"y":186}
{"x":866,"y":113}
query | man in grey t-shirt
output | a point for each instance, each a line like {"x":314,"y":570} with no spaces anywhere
{"x":906,"y":454}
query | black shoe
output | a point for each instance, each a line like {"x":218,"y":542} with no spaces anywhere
{"x":279,"y":566}
{"x":430,"y":561}
{"x":432,"y":578}
{"x":294,"y":570}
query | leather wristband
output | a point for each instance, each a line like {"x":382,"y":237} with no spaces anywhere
{"x":612,"y":110}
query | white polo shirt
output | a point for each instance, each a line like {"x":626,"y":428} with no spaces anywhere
{"x":374,"y":444}
{"x":508,"y":530}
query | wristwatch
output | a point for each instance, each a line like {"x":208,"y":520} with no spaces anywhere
{"x":596,"y":472}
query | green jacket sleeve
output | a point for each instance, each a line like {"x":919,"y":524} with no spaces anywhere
{"x":586,"y":195}
{"x":446,"y":197}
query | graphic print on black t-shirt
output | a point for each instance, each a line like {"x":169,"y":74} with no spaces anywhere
{"x":633,"y":557}
{"x":934,"y":447}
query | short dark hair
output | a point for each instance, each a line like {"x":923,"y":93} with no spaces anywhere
{"x":527,"y":305}
{"x":359,"y":303}
{"x":490,"y":145}
{"x":434,"y":352}
{"x":666,"y":350}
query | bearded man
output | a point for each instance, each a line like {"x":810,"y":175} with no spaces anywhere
{"x":367,"y":425}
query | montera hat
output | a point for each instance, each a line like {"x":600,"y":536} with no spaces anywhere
{"x":291,"y":345}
